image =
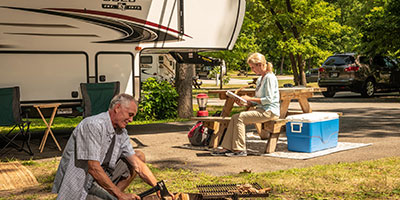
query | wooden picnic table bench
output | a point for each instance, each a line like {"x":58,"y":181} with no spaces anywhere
{"x":270,"y":130}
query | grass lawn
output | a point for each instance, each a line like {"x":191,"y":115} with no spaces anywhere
{"x":377,"y":179}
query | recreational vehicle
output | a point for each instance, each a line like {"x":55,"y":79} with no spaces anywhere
{"x":159,"y":66}
{"x":49,"y":47}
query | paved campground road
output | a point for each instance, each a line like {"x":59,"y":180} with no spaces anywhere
{"x":375,"y":120}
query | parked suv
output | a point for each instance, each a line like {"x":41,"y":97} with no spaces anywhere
{"x":361,"y":74}
{"x":312,"y":75}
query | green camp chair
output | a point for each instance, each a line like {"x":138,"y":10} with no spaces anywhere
{"x":10,"y":115}
{"x":96,"y":97}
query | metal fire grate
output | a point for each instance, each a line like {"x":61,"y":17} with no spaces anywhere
{"x":220,"y":191}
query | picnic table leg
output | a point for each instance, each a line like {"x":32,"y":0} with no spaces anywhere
{"x":226,"y":111}
{"x":274,"y":129}
{"x":216,"y":137}
{"x":272,"y":143}
{"x":259,"y":128}
{"x":284,"y":107}
{"x":304,"y":104}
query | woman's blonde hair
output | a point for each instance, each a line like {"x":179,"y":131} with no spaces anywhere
{"x":255,"y":58}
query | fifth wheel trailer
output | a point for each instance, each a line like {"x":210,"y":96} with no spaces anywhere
{"x":49,"y":47}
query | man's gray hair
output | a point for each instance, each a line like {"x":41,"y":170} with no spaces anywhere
{"x":123,"y":99}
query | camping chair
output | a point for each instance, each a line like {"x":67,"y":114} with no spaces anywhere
{"x":10,"y":115}
{"x":96,"y":97}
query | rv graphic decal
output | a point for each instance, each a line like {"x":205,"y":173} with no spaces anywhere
{"x":121,"y":6}
{"x":132,"y":29}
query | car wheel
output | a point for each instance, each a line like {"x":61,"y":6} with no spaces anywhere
{"x":330,"y":92}
{"x":368,"y":88}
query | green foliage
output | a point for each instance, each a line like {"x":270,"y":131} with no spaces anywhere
{"x":158,"y":101}
{"x":217,"y":70}
{"x":380,"y":28}
{"x":269,"y":28}
{"x":323,"y":28}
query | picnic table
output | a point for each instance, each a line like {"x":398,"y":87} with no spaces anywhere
{"x":301,"y":94}
{"x":219,"y":124}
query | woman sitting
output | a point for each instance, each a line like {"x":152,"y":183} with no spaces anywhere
{"x":266,"y":100}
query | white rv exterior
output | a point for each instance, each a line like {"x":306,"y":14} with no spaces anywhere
{"x":159,"y":66}
{"x":49,"y":47}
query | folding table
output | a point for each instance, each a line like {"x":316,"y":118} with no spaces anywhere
{"x":48,"y":130}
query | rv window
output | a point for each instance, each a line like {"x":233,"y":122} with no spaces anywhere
{"x":146,"y":59}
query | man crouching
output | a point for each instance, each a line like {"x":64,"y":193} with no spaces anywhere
{"x":98,"y":161}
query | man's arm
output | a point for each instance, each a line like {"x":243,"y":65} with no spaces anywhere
{"x":104,"y":181}
{"x":142,"y":170}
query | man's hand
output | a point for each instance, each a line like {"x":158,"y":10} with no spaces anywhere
{"x":170,"y":194}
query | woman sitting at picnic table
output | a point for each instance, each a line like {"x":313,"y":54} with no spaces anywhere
{"x":266,"y":100}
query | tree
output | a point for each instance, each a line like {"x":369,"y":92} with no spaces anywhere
{"x":381,"y":28}
{"x":183,"y":84}
{"x":300,"y":28}
{"x":303,"y":30}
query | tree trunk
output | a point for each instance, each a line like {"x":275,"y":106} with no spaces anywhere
{"x":294,"y":68}
{"x":282,"y":62}
{"x":302,"y":74}
{"x":183,"y":84}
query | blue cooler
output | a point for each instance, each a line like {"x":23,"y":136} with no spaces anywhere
{"x":312,"y":132}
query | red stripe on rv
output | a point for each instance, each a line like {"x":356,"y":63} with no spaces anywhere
{"x":108,"y":14}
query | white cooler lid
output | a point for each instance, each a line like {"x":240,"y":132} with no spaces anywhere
{"x":313,"y":117}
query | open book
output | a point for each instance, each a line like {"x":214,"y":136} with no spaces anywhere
{"x":235,"y":96}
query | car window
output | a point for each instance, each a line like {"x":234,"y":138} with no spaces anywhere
{"x":339,"y":60}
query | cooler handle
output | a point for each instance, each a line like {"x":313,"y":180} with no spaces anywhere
{"x":300,"y":125}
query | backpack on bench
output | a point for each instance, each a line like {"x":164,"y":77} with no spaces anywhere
{"x":199,"y":135}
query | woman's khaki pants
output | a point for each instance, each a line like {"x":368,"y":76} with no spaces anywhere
{"x":235,"y":135}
